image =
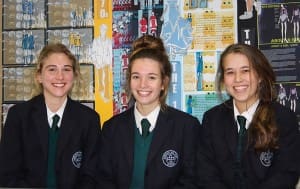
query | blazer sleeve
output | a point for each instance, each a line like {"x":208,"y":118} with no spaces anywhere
{"x":284,"y":171}
{"x":11,"y":171}
{"x":106,"y":179}
{"x":91,"y":152}
{"x":208,"y":174}
{"x":188,"y":174}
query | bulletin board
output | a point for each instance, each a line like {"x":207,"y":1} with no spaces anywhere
{"x":100,"y":34}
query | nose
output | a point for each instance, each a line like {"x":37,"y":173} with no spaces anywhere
{"x":143,"y":82}
{"x":59,"y":74}
{"x":238,"y":77}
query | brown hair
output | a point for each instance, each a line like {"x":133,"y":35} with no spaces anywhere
{"x":263,"y":130}
{"x":151,"y":47}
{"x":52,"y":49}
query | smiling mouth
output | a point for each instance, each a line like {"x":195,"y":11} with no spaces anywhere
{"x":240,"y":88}
{"x":143,"y":93}
{"x":58,"y":84}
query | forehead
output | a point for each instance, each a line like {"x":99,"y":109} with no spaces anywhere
{"x":145,"y":65}
{"x":57,"y":59}
{"x":235,"y":60}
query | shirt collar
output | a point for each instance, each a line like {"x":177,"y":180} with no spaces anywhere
{"x":59,"y":112}
{"x":248,"y":114}
{"x":152,"y":118}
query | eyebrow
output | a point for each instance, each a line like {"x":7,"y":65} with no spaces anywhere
{"x":147,"y":74}
{"x":52,"y":65}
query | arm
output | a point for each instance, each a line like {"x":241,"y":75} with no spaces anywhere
{"x":283,"y":172}
{"x":208,"y":174}
{"x":104,"y":161}
{"x":187,"y":176}
{"x":11,"y":157}
{"x":91,"y":150}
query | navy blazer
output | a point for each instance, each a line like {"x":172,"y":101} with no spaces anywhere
{"x":266,"y":170}
{"x":174,"y":134}
{"x":24,"y":146}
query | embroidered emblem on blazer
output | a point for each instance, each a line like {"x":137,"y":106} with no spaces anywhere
{"x":170,"y":158}
{"x":266,"y":158}
{"x":76,"y":159}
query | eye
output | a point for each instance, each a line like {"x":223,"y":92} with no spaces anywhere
{"x":245,"y":70}
{"x":229,"y":72}
{"x":68,"y":69}
{"x":152,"y":78}
{"x":134,"y":77}
{"x":52,"y":69}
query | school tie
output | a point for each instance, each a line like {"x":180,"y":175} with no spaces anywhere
{"x":145,"y":127}
{"x":241,"y":136}
{"x":51,"y":176}
{"x":240,"y":180}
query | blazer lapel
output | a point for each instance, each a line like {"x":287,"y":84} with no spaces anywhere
{"x":127,"y":135}
{"x":160,"y":134}
{"x":68,"y":123}
{"x":231,"y":131}
{"x":40,"y":122}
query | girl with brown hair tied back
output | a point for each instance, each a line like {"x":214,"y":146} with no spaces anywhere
{"x":151,"y":145}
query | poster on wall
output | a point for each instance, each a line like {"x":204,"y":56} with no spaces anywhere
{"x":278,"y":30}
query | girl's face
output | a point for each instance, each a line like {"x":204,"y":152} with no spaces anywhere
{"x":57,"y":76}
{"x":240,"y":80}
{"x":146,"y":83}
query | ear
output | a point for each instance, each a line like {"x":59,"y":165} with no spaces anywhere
{"x":38,"y":78}
{"x":165,"y":82}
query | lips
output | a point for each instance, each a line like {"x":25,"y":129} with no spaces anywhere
{"x":143,"y":93}
{"x":240,"y":88}
{"x":58,"y":84}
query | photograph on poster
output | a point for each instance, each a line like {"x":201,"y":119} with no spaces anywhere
{"x":289,"y":96}
{"x":197,"y":103}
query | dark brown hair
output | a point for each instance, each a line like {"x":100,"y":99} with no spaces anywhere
{"x":263,"y":130}
{"x":151,"y":47}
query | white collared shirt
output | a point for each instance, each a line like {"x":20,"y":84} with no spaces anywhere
{"x":248,"y":114}
{"x":152,"y":118}
{"x":59,"y":112}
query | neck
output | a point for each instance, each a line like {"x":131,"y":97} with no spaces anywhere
{"x":54,"y":104}
{"x":145,"y":109}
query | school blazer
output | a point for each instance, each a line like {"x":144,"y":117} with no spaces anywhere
{"x":24,"y":146}
{"x":266,"y":170}
{"x":174,"y":136}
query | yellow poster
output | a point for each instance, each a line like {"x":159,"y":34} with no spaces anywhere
{"x":102,"y":58}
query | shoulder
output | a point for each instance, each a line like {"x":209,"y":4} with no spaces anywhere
{"x":179,"y":116}
{"x":81,"y":109}
{"x":123,"y":117}
{"x":27,"y":106}
{"x":220,"y":109}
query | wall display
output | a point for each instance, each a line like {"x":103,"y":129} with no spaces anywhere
{"x":28,"y":25}
{"x":195,"y":32}
{"x":70,"y":13}
{"x":84,"y":90}
{"x":22,"y":46}
{"x":278,"y":31}
{"x":23,"y":14}
{"x":18,"y":83}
